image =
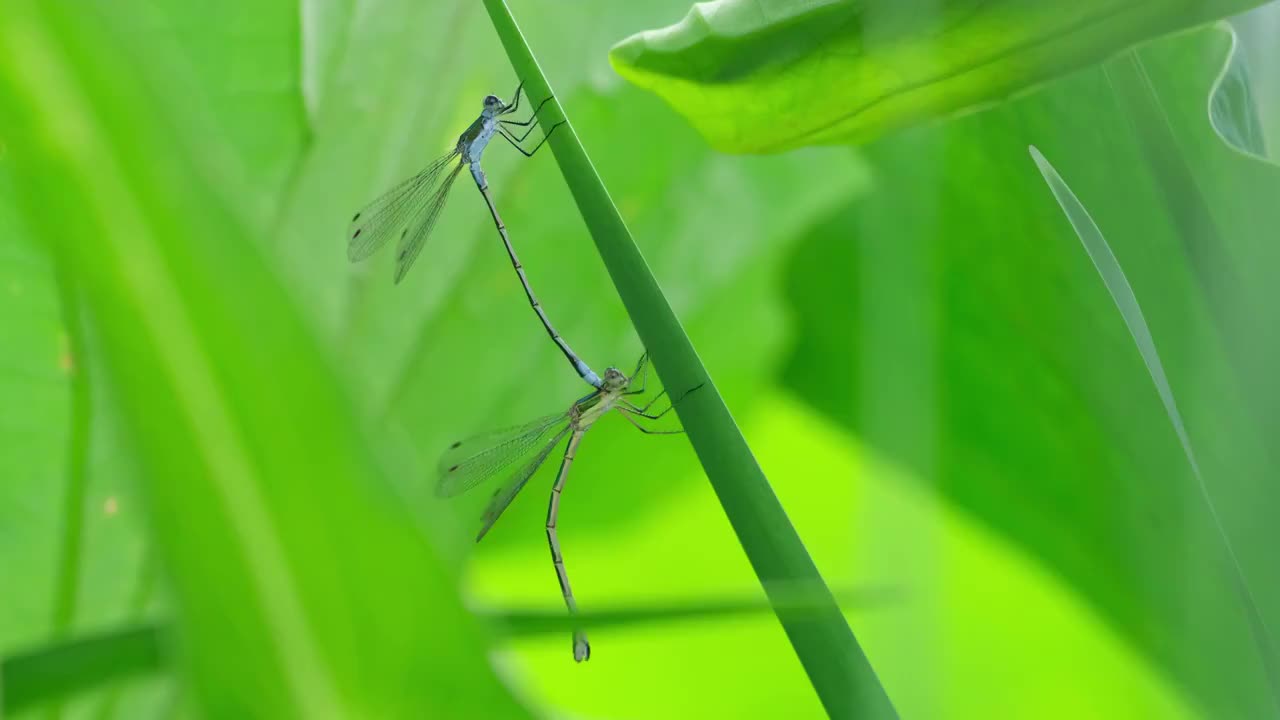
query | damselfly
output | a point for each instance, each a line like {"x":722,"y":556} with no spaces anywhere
{"x":411,"y":209}
{"x":470,"y":462}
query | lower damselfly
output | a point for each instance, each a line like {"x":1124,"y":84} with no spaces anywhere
{"x":526,"y":447}
{"x":412,"y":208}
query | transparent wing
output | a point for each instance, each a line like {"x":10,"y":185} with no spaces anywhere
{"x":503,"y":496}
{"x":469,"y":462}
{"x":413,"y":238}
{"x":379,"y":220}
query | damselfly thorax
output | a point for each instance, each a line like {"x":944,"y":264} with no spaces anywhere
{"x":473,"y":140}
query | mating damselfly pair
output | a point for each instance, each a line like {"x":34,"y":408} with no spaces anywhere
{"x":411,"y":210}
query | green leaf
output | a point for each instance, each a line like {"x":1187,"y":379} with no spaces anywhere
{"x":276,"y":523}
{"x":992,"y":360}
{"x":72,"y":512}
{"x":248,"y":99}
{"x":1233,"y":107}
{"x":1260,"y":54}
{"x":34,"y":424}
{"x":757,"y":77}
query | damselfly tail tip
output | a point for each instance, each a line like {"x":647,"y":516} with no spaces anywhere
{"x":581,"y":648}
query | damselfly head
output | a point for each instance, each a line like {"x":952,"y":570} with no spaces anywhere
{"x":615,"y":379}
{"x":493,"y":105}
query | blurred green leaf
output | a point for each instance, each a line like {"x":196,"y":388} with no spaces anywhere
{"x":1112,"y":275}
{"x":1257,"y":30}
{"x":248,"y":98}
{"x":1233,"y":107}
{"x":276,"y":525}
{"x":34,"y":424}
{"x":72,"y":569}
{"x":984,"y":311}
{"x":769,"y":76}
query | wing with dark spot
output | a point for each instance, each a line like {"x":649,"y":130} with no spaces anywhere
{"x":503,"y":496}
{"x":469,"y":462}
{"x":400,"y":208}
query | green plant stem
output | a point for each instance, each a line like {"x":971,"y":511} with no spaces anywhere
{"x":839,"y":670}
{"x":523,"y":623}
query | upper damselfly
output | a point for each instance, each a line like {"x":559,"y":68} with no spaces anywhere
{"x":410,"y":210}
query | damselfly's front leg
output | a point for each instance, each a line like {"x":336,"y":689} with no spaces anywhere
{"x":628,"y":412}
{"x":516,"y":144}
{"x":643,"y":410}
{"x":641,"y":365}
{"x":515,"y":103}
{"x":531,"y":119}
{"x":631,"y":412}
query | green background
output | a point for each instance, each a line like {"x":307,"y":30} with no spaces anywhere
{"x":925,"y":364}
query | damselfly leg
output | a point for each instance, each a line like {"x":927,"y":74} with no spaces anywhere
{"x":581,"y":648}
{"x":516,"y":143}
{"x":530,"y":121}
{"x":515,"y":100}
{"x":632,"y":411}
{"x":642,"y":369}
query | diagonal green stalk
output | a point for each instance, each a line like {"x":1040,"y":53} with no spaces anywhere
{"x":843,"y":678}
